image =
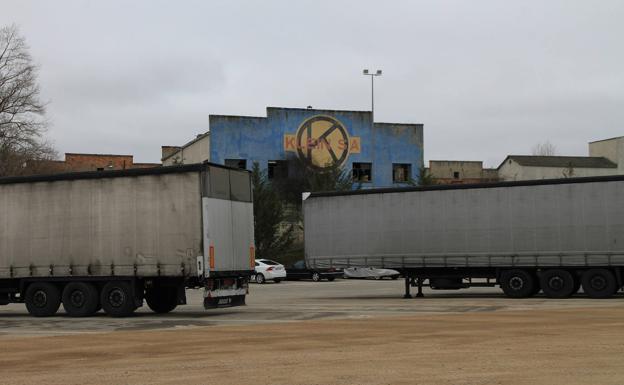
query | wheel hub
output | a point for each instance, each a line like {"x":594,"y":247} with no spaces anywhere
{"x":77,"y":298}
{"x":516,"y":283}
{"x":116,"y":298}
{"x":598,"y":283}
{"x":556,"y":283}
{"x":40,"y":298}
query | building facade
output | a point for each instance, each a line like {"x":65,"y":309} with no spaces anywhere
{"x":529,"y":167}
{"x":375,"y":154}
{"x":94,"y":162}
{"x":460,"y":172}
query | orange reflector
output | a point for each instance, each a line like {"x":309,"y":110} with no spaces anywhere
{"x":212,"y":262}
{"x":252,"y":257}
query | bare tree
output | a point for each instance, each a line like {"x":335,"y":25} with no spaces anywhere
{"x":544,"y":149}
{"x":22,"y":123}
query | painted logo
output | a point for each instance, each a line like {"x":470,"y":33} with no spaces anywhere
{"x":321,"y":141}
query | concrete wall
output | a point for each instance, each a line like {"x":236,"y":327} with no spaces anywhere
{"x":612,"y":149}
{"x":260,"y":139}
{"x":511,"y":170}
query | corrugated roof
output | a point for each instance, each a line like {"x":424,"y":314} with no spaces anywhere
{"x":563,"y":161}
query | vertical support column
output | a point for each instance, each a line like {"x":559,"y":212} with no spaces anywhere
{"x":419,"y":282}
{"x":407,"y":287}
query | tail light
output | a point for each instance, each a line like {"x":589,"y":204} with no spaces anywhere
{"x":212,"y":257}
{"x":331,"y":270}
{"x":270,"y":268}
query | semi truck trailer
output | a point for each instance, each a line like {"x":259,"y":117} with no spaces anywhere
{"x":554,"y":236}
{"x":112,"y":239}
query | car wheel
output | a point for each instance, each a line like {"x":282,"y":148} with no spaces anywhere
{"x":260,"y":278}
{"x":43,"y":299}
{"x":80,"y":299}
{"x":316,"y":277}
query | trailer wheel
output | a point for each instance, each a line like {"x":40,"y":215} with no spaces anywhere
{"x":42,"y":299}
{"x":162,"y":299}
{"x":599,"y":283}
{"x":557,"y":283}
{"x":117,"y":299}
{"x":517,"y":283}
{"x":80,"y":299}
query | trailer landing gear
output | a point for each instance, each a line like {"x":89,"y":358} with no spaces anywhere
{"x":411,"y":281}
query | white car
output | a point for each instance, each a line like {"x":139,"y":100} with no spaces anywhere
{"x":267,"y":270}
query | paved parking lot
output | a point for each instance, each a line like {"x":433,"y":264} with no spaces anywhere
{"x":295,"y":301}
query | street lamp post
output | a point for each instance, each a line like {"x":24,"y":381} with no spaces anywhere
{"x":372,"y":76}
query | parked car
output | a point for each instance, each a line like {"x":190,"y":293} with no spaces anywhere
{"x":370,"y":272}
{"x":268,"y":270}
{"x":299,"y":270}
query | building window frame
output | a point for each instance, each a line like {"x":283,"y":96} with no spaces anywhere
{"x":362,"y":172}
{"x":401,"y":172}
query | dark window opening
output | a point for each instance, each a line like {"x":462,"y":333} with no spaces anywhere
{"x":456,"y":174}
{"x":401,"y":172}
{"x":277,"y":169}
{"x":362,"y":172}
{"x":236,"y":163}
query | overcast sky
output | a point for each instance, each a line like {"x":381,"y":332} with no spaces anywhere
{"x":486,"y":78}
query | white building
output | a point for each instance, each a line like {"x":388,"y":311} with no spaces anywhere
{"x":606,"y":157}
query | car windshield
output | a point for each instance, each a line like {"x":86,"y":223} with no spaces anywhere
{"x":269,"y":262}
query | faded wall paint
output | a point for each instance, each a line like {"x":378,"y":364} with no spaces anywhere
{"x":260,"y":139}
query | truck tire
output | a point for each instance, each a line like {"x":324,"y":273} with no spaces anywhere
{"x":80,"y":299}
{"x":517,"y":283}
{"x":557,"y":283}
{"x":117,"y":299}
{"x":42,"y":299}
{"x":162,"y":299}
{"x":599,"y":283}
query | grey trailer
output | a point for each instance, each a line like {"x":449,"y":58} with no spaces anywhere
{"x":550,"y":235}
{"x":111,"y":239}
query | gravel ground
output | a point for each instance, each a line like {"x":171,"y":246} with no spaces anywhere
{"x":347,"y":332}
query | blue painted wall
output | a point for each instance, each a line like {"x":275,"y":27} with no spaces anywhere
{"x":259,"y":139}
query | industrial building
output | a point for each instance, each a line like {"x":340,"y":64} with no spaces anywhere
{"x":606,"y":157}
{"x":376,"y":154}
{"x":460,"y":172}
{"x":95,"y":162}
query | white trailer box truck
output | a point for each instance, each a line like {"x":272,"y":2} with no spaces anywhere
{"x":550,"y":235}
{"x":110,"y":239}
